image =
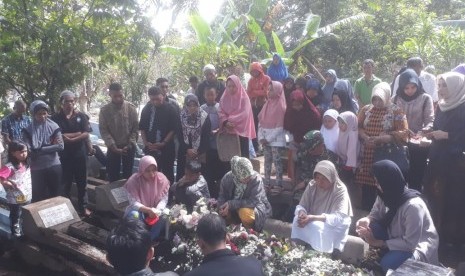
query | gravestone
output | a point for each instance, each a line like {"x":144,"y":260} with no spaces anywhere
{"x":416,"y":268}
{"x":112,"y":198}
{"x":55,"y":213}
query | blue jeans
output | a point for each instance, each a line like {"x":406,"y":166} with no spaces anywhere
{"x":155,"y":229}
{"x":393,"y":258}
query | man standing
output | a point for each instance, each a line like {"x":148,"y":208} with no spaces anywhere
{"x":158,"y":124}
{"x":211,"y":234}
{"x":209,"y":72}
{"x":119,"y":129}
{"x":194,"y":83}
{"x":129,"y":249}
{"x":13,"y":123}
{"x":74,"y":127}
{"x":165,"y":90}
{"x":364,"y":85}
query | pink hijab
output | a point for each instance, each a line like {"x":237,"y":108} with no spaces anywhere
{"x":148,"y":193}
{"x":272,"y":114}
{"x":236,"y":109}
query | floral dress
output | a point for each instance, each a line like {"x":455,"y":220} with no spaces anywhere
{"x":375,"y":121}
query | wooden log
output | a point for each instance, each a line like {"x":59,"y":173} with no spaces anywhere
{"x":33,"y":254}
{"x":82,"y":251}
{"x":88,"y":232}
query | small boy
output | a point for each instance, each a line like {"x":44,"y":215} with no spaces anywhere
{"x":191,"y":187}
{"x":215,"y":169}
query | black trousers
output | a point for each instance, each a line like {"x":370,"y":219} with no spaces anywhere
{"x":117,"y":162}
{"x":213,"y":171}
{"x":46,"y":183}
{"x":418,"y":161}
{"x":75,"y":169}
{"x":244,"y":142}
{"x":369,"y":194}
{"x":255,"y":112}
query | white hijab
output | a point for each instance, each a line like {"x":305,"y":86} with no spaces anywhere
{"x":456,"y":86}
{"x":330,"y":136}
{"x":317,"y":201}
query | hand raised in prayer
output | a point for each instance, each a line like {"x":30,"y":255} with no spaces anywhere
{"x":304,"y":220}
{"x":229,"y":126}
{"x":363,"y":222}
{"x":192,"y":153}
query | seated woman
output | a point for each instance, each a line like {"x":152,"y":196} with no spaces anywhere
{"x":323,"y":216}
{"x":242,"y":196}
{"x":148,"y":194}
{"x":191,"y":187}
{"x":399,"y":220}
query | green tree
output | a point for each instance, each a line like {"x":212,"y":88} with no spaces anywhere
{"x":46,"y":44}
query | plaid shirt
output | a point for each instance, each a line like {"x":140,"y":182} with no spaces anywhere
{"x":13,"y":125}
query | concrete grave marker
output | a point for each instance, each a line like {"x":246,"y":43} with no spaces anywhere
{"x":55,"y":213}
{"x":112,"y":198}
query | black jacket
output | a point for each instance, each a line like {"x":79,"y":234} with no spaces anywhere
{"x":225,"y":263}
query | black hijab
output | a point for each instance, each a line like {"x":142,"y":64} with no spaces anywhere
{"x":409,"y":76}
{"x":342,"y":91}
{"x":395,"y":191}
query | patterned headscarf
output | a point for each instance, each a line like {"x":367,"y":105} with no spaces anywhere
{"x":241,"y":168}
{"x":192,"y":123}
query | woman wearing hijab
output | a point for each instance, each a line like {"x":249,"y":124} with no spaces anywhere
{"x":399,"y":221}
{"x":271,"y":133}
{"x":44,"y":139}
{"x":418,"y":107}
{"x":235,"y":112}
{"x":301,"y":117}
{"x":289,"y":86}
{"x":379,"y":123}
{"x":444,"y":179}
{"x":348,"y":149}
{"x":332,"y":84}
{"x":315,"y":94}
{"x":257,"y":90}
{"x":277,"y":70}
{"x":323,"y":216}
{"x":341,"y":101}
{"x":148,"y":194}
{"x":195,"y":132}
{"x":242,"y":196}
{"x":330,"y":129}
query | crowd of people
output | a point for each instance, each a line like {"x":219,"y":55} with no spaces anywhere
{"x":338,"y":140}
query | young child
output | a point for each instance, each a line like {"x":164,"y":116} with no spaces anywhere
{"x":215,"y":169}
{"x":348,"y":147}
{"x":192,"y":186}
{"x":15,"y":177}
{"x":330,"y":129}
{"x":271,"y":133}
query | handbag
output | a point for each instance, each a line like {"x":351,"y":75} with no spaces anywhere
{"x":228,"y":146}
{"x":395,"y":153}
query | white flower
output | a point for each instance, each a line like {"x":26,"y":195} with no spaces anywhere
{"x":166,"y":212}
{"x":182,"y":213}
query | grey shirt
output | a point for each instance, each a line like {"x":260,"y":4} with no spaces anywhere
{"x":419,"y":112}
{"x":412,"y":229}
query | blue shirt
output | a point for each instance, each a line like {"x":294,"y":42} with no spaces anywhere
{"x":12,"y":125}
